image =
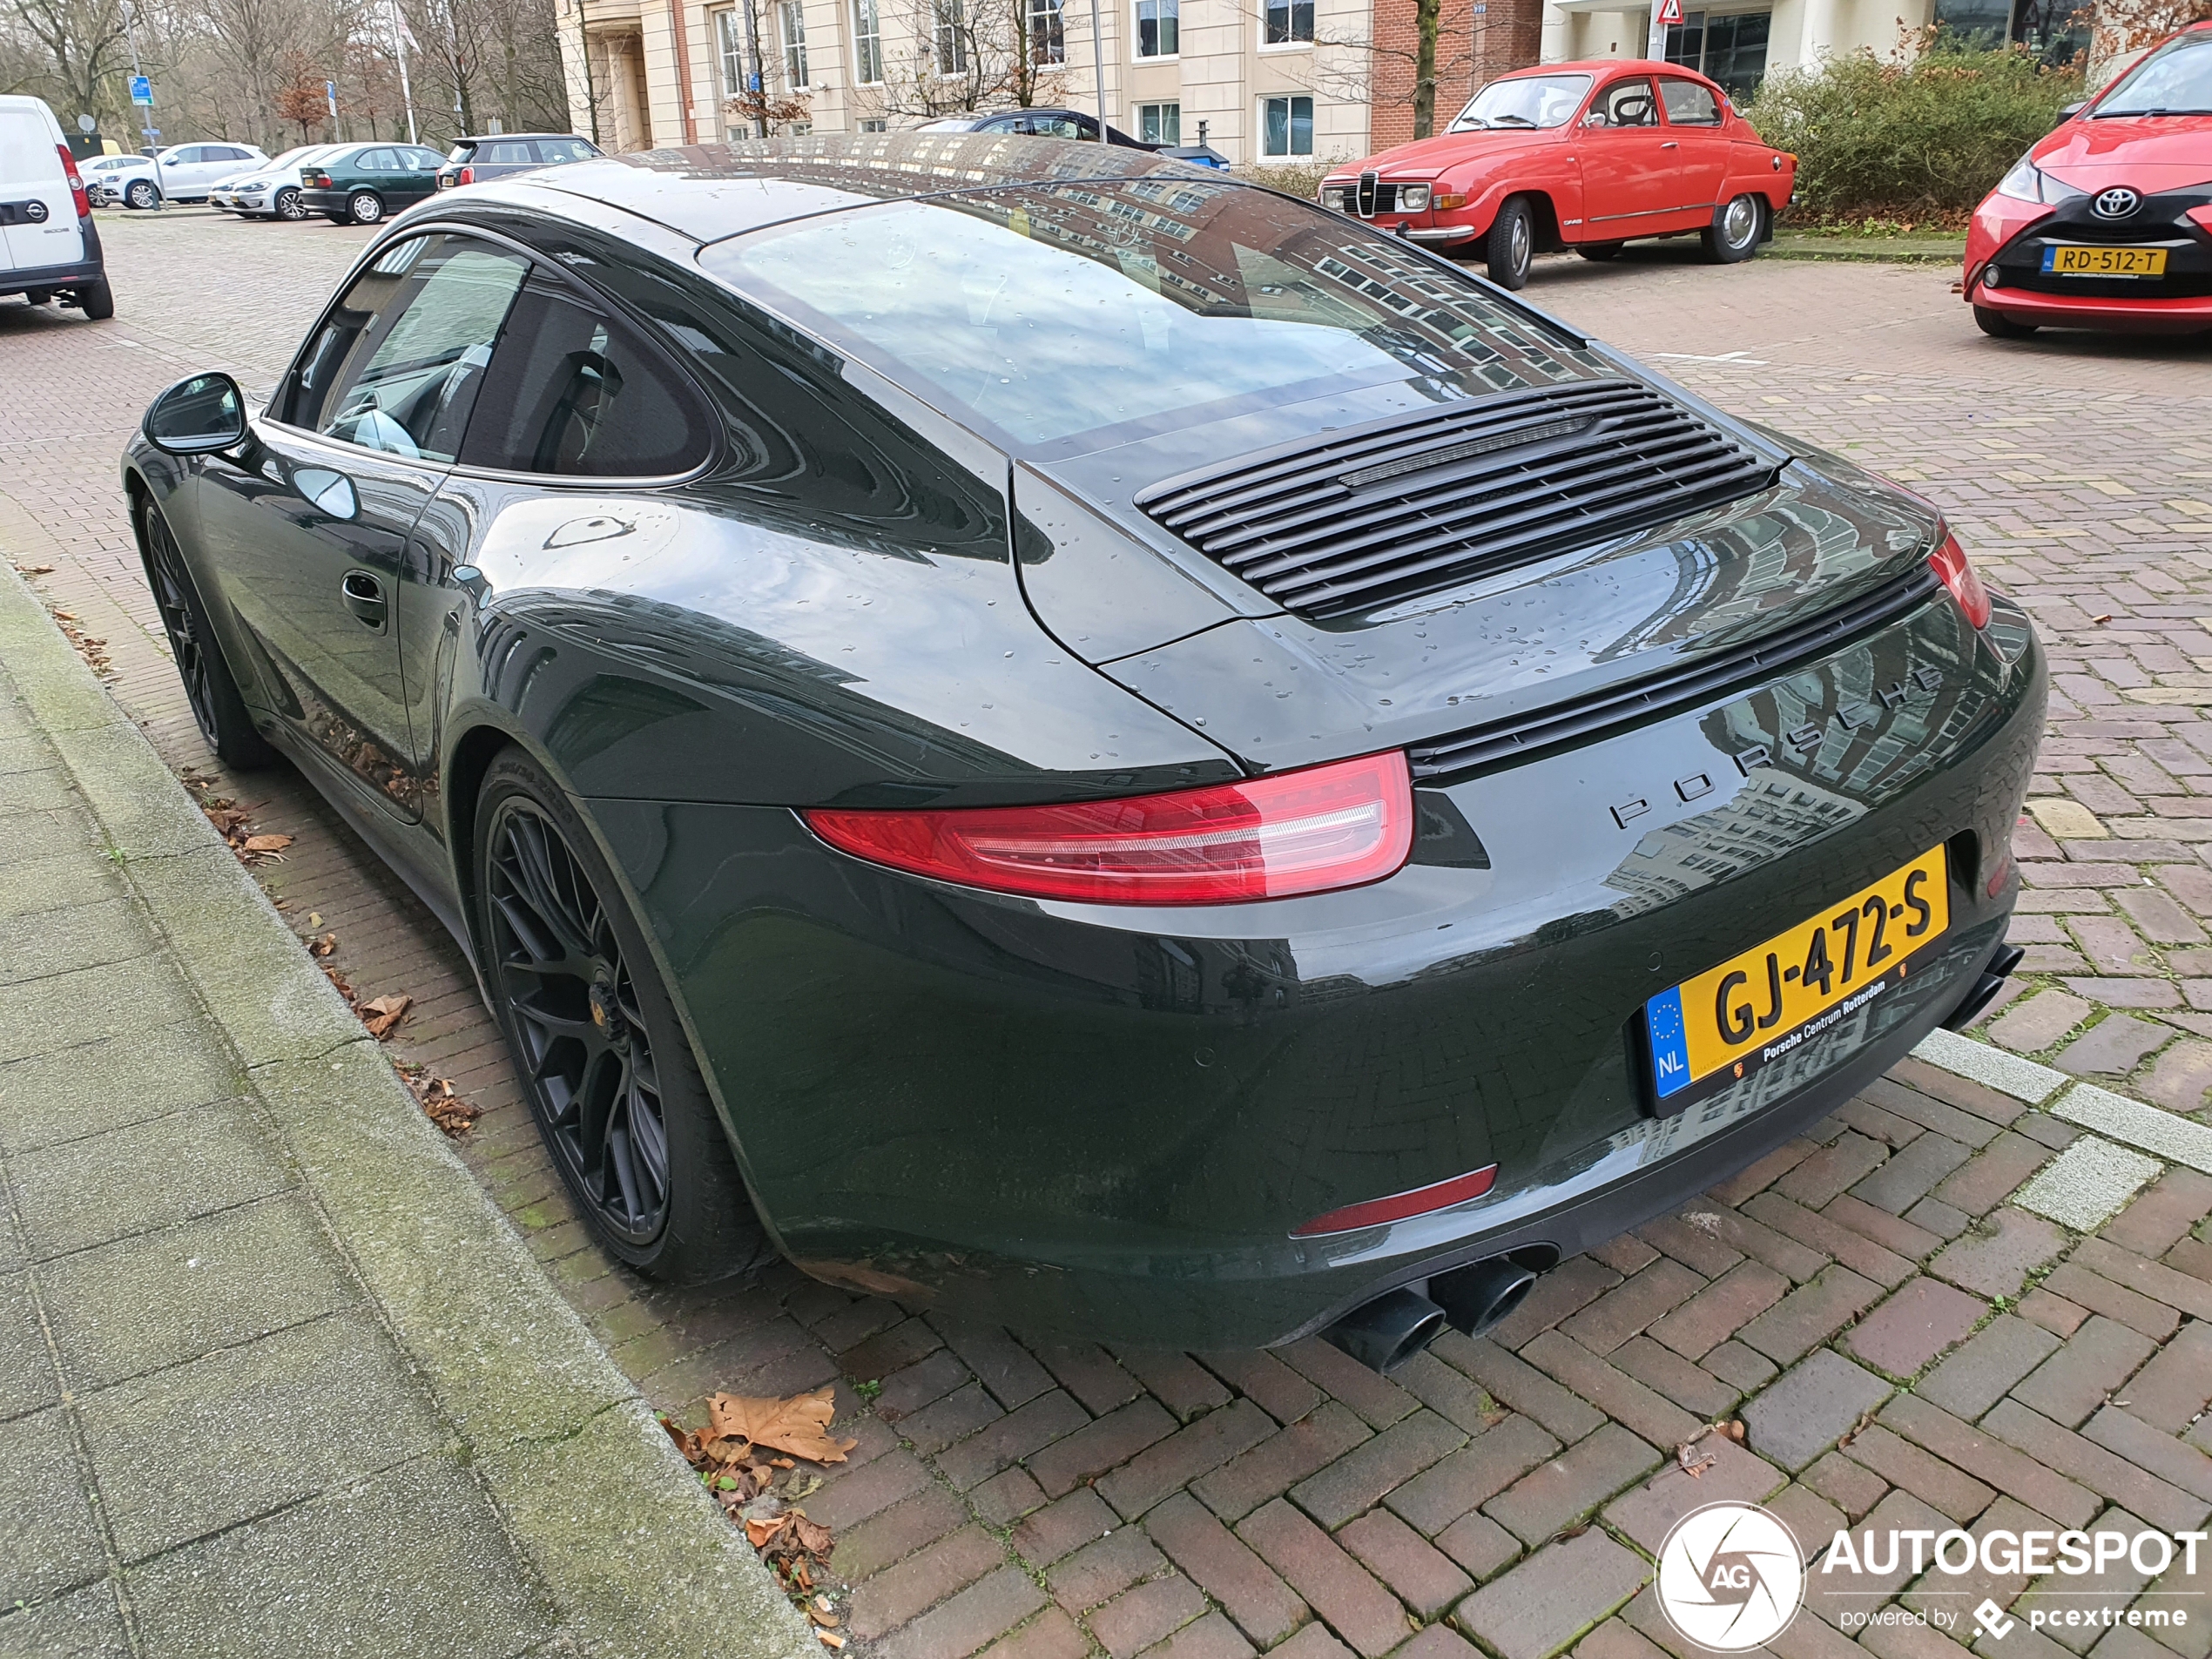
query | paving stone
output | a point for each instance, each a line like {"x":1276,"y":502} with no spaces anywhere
{"x":1990,"y":1461}
{"x":1512,"y":1381}
{"x":1099,"y":1445}
{"x":1631,"y":1306}
{"x":2035,"y":1023}
{"x":1378,"y":1400}
{"x":1557,"y":1494}
{"x":1851,"y":1486}
{"x":2155,"y":1280}
{"x":2054,"y":1314}
{"x":1904,"y":1236}
{"x":1697,"y":1246}
{"x":918,"y":1583}
{"x":1996,"y":1261}
{"x":1803,"y":1414}
{"x":970,"y":1619}
{"x":2099,"y":1295}
{"x":1280,"y":1461}
{"x":1265,"y":1607}
{"x":969,"y":1462}
{"x":1473,"y":1475}
{"x":1647,"y":1513}
{"x":1970,"y":1381}
{"x":1205,"y":1445}
{"x":1716,"y":1312}
{"x":890,"y":1479}
{"x":1423,"y":1577}
{"x":48,"y":1538}
{"x":1358,"y":1608}
{"x":1919,"y":1321}
{"x":2161,"y":1215}
{"x":1176,"y":1381}
{"x":1214,"y":1637}
{"x":1831,"y":1170}
{"x":1147,"y":1614}
{"x":2174,"y":1462}
{"x":1479,"y":1544}
{"x":1621,"y":1396}
{"x":1356,"y":1482}
{"x":1449,"y":1392}
{"x":1063,"y":1526}
{"x":2180,"y":1077}
{"x":1979,"y":1185}
{"x":1542,"y":1605}
{"x":968,"y":1410}
{"x":1102,"y":1567}
{"x":1001,"y":1363}
{"x":1755,"y":1239}
{"x":1007,"y":1497}
{"x":1088,"y":1372}
{"x":2080,"y":1376}
{"x":1829,"y":1594}
{"x":2113,"y":1047}
{"x":1259,"y":1375}
{"x":1911,"y":1174}
{"x":2165,"y":1506}
{"x":1313,"y":1642}
{"x":1855,"y":1251}
{"x":1692,"y":1388}
{"x":893,"y":1535}
{"x":1051,"y":1635}
{"x":1810,"y":1315}
{"x":891,"y":1350}
{"x":1928,"y":1478}
{"x":1740,"y":1367}
{"x":2173,"y":1390}
{"x":1437,"y":1642}
{"x":27,"y":1380}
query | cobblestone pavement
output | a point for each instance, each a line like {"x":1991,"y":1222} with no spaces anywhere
{"x":1910,"y":1342}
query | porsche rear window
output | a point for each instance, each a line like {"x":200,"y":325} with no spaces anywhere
{"x":1042,"y":313}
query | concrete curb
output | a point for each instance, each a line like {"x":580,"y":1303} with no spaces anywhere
{"x":2150,"y":1128}
{"x":627,"y":1546}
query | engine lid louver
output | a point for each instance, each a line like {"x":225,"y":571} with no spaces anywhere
{"x":1416,"y":504}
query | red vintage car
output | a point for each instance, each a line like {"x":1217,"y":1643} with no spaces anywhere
{"x":2107,"y":222}
{"x":1584,"y":155}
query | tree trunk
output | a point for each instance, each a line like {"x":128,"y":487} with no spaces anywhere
{"x":1426,"y":13}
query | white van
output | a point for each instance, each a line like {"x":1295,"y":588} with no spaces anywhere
{"x":48,"y":247}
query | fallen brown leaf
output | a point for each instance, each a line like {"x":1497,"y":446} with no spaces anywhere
{"x":383,"y":1013}
{"x":798,"y":1425}
{"x":36,"y":570}
{"x":758,"y":1533}
{"x":267,"y":843}
{"x":324,"y":946}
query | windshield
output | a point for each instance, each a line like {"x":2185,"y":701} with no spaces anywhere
{"x":2177,"y":79}
{"x":1042,"y":313}
{"x":1525,"y":101}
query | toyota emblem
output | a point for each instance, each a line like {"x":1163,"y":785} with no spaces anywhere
{"x":2116,"y":203}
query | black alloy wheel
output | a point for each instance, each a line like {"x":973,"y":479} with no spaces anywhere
{"x":217,"y":707}
{"x":1511,"y":245}
{"x":1734,"y":234}
{"x":606,"y":1064}
{"x":289,"y":205}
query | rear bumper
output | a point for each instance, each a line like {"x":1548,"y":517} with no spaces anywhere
{"x":91,"y":269}
{"x":326,"y":201}
{"x":1072,"y":1118}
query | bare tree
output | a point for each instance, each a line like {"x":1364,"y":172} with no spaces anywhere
{"x":2120,"y":26}
{"x":81,"y":51}
{"x":974,"y":54}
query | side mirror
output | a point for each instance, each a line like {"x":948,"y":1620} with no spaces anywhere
{"x":198,"y":415}
{"x":2072,"y":110}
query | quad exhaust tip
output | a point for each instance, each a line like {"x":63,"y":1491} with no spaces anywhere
{"x":1386,"y":1332}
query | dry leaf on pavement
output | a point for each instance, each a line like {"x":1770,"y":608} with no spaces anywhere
{"x":798,"y":1425}
{"x":381,"y":1014}
{"x":266,"y":843}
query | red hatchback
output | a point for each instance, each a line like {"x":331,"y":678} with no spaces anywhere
{"x":1586,"y":156}
{"x":2107,"y":222}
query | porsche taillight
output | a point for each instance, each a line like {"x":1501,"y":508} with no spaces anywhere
{"x":1311,"y":831}
{"x":76,"y":183}
{"x":1956,"y":571}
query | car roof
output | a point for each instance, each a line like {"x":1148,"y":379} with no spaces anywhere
{"x":493,"y":137}
{"x":1603,"y":66}
{"x":710,"y":191}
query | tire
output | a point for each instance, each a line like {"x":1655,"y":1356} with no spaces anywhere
{"x":1600,"y":251}
{"x":141,"y":193}
{"x":603,"y":1058}
{"x":365,"y":208}
{"x":1998,"y":326}
{"x":1512,"y":244}
{"x":214,"y":695}
{"x":289,"y":206}
{"x":1736,"y":230}
{"x":96,"y":299}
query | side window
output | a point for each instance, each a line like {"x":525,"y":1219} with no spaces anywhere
{"x":1687,"y":104}
{"x":189,"y":155}
{"x":425,"y":160}
{"x":1625,"y":104}
{"x":565,"y":150}
{"x":512,"y":153}
{"x":573,"y":393}
{"x":397,"y":363}
{"x":378,"y":161}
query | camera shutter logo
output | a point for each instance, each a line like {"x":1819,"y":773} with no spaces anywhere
{"x":2116,"y":203}
{"x":1731,"y":1576}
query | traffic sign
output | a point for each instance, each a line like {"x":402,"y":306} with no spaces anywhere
{"x":142,"y":89}
{"x":330,"y":92}
{"x":1671,"y":13}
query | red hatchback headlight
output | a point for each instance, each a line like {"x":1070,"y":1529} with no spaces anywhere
{"x":1950,"y":563}
{"x":1337,"y":826}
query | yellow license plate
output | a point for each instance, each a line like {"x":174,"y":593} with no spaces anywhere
{"x":1734,"y":1019}
{"x":2067,"y":259}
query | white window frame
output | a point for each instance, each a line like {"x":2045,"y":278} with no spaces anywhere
{"x":1162,"y":10}
{"x":1296,"y":44}
{"x":1052,"y":16}
{"x":1161,"y":135}
{"x":790,"y":36}
{"x":947,"y":43}
{"x":1289,"y":157}
{"x":868,"y":42}
{"x":726,"y":28}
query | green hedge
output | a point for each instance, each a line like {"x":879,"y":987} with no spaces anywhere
{"x":1925,"y":138}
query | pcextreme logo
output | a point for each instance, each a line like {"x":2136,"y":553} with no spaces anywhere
{"x":1731,"y":1576}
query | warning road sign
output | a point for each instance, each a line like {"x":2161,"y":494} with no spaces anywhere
{"x":1671,"y":13}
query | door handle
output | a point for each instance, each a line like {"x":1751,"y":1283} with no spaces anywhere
{"x":1672,"y":144}
{"x":364,"y":597}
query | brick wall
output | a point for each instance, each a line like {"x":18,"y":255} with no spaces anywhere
{"x":1471,"y":48}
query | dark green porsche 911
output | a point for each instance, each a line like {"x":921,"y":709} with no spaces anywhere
{"x":1059,"y":736}
{"x":368,"y":182}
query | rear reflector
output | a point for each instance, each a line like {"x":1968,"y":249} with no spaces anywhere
{"x":1950,"y":563}
{"x":1399,"y":1206}
{"x":76,"y":183}
{"x":1338,"y":825}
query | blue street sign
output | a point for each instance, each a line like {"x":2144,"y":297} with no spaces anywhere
{"x":330,"y":92}
{"x":142,"y":89}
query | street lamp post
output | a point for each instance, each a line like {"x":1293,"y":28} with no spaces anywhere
{"x":1098,"y":65}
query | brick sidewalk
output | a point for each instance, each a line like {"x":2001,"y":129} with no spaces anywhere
{"x":1043,"y":1501}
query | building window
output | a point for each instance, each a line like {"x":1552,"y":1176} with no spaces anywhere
{"x":1048,"y":42}
{"x":1160,"y":123}
{"x":1730,"y":50}
{"x":875,"y":123}
{"x":1289,"y":22}
{"x":790,"y":18}
{"x":867,"y":45}
{"x":952,"y":39}
{"x":1286,"y":125}
{"x":1159,"y":28}
{"x":729,"y":53}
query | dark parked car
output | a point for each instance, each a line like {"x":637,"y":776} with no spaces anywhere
{"x":368,"y":182}
{"x":1099,"y":746}
{"x":1042,"y":123}
{"x":496,"y":155}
